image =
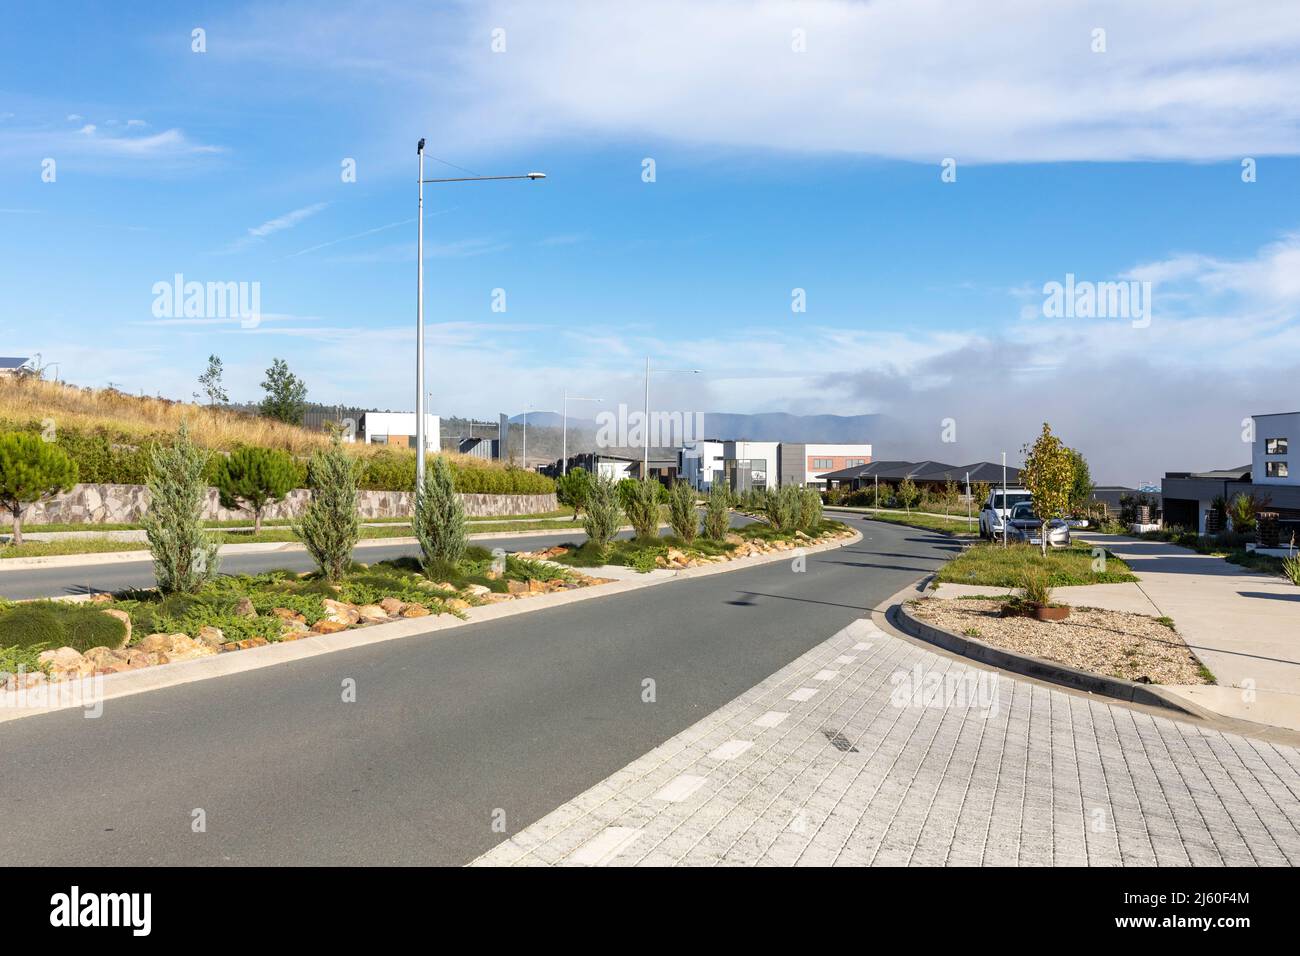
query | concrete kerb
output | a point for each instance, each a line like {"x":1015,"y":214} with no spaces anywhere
{"x":185,"y":672}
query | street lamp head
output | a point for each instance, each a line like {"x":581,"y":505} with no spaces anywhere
{"x":419,"y":148}
{"x":536,"y":175}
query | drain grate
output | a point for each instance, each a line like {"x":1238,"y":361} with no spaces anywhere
{"x":839,"y":741}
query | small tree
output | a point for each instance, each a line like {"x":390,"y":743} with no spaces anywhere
{"x":907,"y":494}
{"x":717,"y":512}
{"x":810,"y":511}
{"x":951,"y":496}
{"x":1049,"y":476}
{"x":681,"y":511}
{"x":330,"y":527}
{"x":285,"y":394}
{"x":980,"y":491}
{"x":184,"y":554}
{"x":642,"y":507}
{"x":252,"y":478}
{"x":439,"y":518}
{"x":1081,"y":487}
{"x":31,"y":469}
{"x":601,"y":523}
{"x":783,"y":506}
{"x":573,"y":488}
{"x":211,"y":382}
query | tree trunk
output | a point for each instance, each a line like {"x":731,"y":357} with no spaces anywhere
{"x":257,"y":521}
{"x":18,"y":525}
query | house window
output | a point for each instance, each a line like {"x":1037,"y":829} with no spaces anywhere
{"x":1275,"y":469}
{"x":851,"y":462}
{"x":823,"y":462}
{"x":1275,"y":446}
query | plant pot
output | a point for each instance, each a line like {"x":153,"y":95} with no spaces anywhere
{"x":1048,"y":612}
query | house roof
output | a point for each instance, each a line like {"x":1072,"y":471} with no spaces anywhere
{"x":925,"y":471}
{"x":7,"y":361}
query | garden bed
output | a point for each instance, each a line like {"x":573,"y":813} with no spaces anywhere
{"x":670,"y":552}
{"x":1131,"y":647}
{"x":992,"y":565}
{"x":57,"y":640}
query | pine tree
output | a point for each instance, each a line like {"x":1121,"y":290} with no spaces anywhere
{"x":601,"y":523}
{"x":682,"y":516}
{"x":252,"y":478}
{"x":439,"y":518}
{"x":31,"y":469}
{"x":717,"y":512}
{"x":330,"y":527}
{"x":642,"y":507}
{"x":184,"y":555}
{"x":285,"y":394}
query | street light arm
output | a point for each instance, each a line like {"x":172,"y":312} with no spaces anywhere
{"x":480,"y":179}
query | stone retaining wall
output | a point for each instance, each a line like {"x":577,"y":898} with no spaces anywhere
{"x":126,"y":504}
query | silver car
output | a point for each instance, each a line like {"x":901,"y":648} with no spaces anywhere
{"x":1024,"y":525}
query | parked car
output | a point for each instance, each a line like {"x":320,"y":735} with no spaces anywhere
{"x":1025,"y":526}
{"x":995,"y":509}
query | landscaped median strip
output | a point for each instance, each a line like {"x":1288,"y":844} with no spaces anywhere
{"x":101,"y":687}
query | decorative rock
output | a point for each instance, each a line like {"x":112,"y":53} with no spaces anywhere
{"x":327,"y":625}
{"x":517,"y":587}
{"x":288,"y":614}
{"x":155,"y":643}
{"x":66,"y":662}
{"x":211,"y":636}
{"x":100,"y":597}
{"x":126,"y":622}
{"x":478,"y":590}
{"x":341,"y":612}
{"x":102,"y":657}
{"x":372,"y":613}
{"x":392,"y":605}
{"x":245,"y":608}
{"x":456,"y":604}
{"x":136,"y":658}
{"x":415,"y":610}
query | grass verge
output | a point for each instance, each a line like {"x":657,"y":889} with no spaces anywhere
{"x":992,"y":565}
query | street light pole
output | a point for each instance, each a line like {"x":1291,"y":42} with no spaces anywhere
{"x":564,"y":430}
{"x":419,"y":331}
{"x":645,"y":422}
{"x":419,"y":307}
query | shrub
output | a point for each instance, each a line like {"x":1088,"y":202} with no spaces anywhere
{"x":51,"y":624}
{"x":439,"y":516}
{"x":782,"y":507}
{"x":329,"y":527}
{"x":184,"y":555}
{"x":810,"y":512}
{"x":682,"y":515}
{"x":717,"y":512}
{"x":642,"y":508}
{"x":1033,"y":585}
{"x":252,"y":478}
{"x":31,"y":469}
{"x":573,"y":488}
{"x":602,"y":519}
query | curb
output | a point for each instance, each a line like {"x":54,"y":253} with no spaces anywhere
{"x":184,"y":672}
{"x":1037,"y":667}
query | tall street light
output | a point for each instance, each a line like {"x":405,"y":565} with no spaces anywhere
{"x":645,"y":422}
{"x":564,"y":432}
{"x":419,"y":306}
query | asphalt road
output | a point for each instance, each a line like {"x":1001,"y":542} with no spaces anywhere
{"x":449,"y":731}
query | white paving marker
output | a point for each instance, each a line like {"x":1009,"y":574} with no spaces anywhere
{"x":826,"y":675}
{"x":862,"y":646}
{"x":845,"y":659}
{"x":680,"y":788}
{"x":605,"y":845}
{"x":771,"y":719}
{"x":803,"y":694}
{"x":731,"y":749}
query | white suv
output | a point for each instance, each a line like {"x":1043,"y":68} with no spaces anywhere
{"x":995,"y":510}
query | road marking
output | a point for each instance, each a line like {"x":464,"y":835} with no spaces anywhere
{"x":826,"y":675}
{"x":605,"y":845}
{"x":803,"y":694}
{"x":731,"y":749}
{"x":845,"y":659}
{"x":771,"y":719}
{"x":680,"y":788}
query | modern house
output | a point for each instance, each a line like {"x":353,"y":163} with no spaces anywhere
{"x":398,"y":428}
{"x":933,"y":474}
{"x":1188,"y":496}
{"x":746,"y":465}
{"x":10,"y":365}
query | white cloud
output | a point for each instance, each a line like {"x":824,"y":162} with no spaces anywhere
{"x":257,"y":234}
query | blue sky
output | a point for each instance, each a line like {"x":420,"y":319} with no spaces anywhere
{"x":776,"y":169}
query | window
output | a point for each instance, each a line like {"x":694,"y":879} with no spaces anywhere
{"x":851,"y":462}
{"x":1275,"y":446}
{"x":1275,"y":469}
{"x":823,"y":462}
